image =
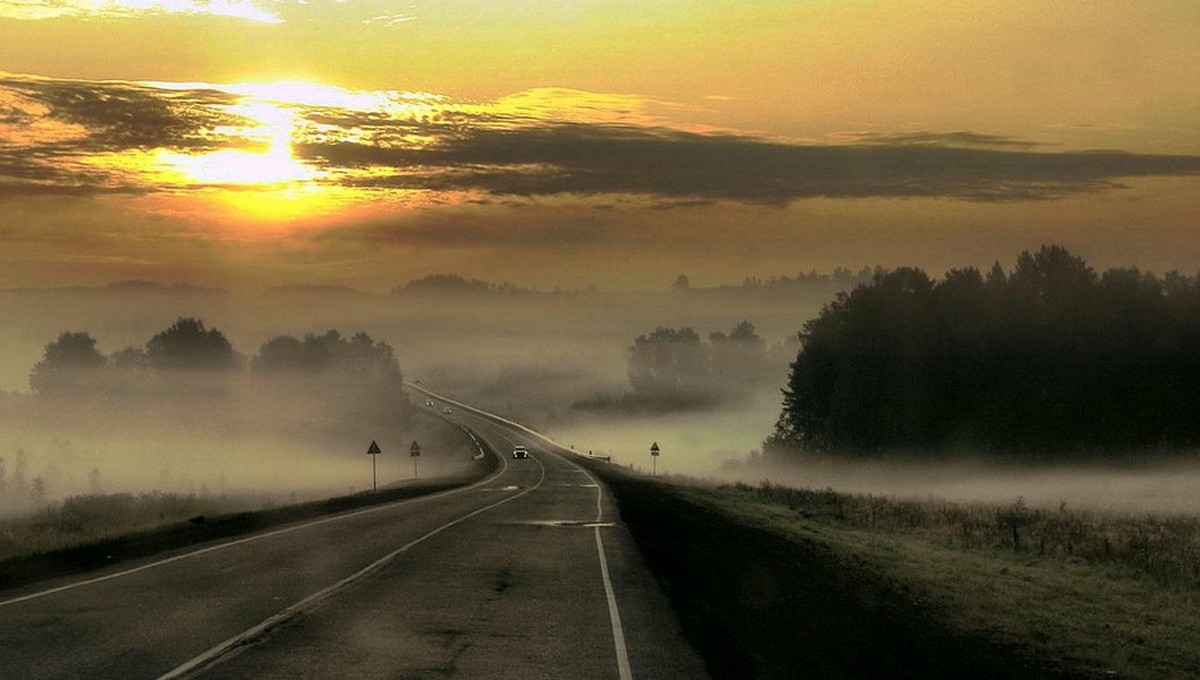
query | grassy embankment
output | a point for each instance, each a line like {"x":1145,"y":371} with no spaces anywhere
{"x":773,"y":582}
{"x":89,"y":532}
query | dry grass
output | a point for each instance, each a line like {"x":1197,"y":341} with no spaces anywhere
{"x":80,"y":520}
{"x":1165,"y":548}
{"x":1114,"y":596}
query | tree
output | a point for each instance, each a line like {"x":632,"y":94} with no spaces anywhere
{"x":1047,"y":361}
{"x":739,"y":359}
{"x":70,"y":362}
{"x":37,"y":492}
{"x":335,"y":380}
{"x":359,"y":357}
{"x":670,"y":364}
{"x":282,"y":353}
{"x":128,"y":359}
{"x":188,"y":345}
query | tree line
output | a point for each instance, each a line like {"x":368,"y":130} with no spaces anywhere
{"x":321,"y":382}
{"x":675,"y":367}
{"x":783,"y":287}
{"x":1050,"y":359}
{"x":72,"y":362}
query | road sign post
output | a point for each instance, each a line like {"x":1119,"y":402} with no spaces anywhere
{"x":654,"y":457}
{"x":372,"y":451}
{"x":415,"y":452}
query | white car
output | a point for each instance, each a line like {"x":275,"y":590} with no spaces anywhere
{"x":520,"y":452}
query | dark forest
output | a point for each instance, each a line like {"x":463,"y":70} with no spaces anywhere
{"x":1050,"y":360}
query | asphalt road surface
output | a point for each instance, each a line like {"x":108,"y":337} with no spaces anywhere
{"x":527,"y":574}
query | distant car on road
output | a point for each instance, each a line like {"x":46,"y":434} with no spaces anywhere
{"x":429,"y":402}
{"x":520,"y":452}
{"x":446,"y":409}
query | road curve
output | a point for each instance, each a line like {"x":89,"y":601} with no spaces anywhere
{"x":528,"y":574}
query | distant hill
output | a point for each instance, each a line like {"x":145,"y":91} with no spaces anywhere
{"x":128,"y":286}
{"x":453,"y":284}
{"x":313,"y":289}
{"x":782,"y":287}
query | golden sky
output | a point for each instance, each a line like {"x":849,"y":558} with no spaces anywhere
{"x":251,"y":143}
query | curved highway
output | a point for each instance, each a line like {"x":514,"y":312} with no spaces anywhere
{"x":526,"y":574}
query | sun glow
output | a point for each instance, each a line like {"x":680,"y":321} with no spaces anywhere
{"x":274,"y":126}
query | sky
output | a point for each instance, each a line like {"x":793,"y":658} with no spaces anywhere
{"x":247,"y":144}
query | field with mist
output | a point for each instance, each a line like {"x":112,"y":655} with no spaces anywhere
{"x":529,"y":354}
{"x":563,"y":361}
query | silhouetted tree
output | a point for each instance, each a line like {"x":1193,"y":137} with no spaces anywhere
{"x":336,"y":380}
{"x":129,"y":359}
{"x":69,"y":362}
{"x":452,"y":284}
{"x":1048,"y":360}
{"x":281,"y":353}
{"x":359,"y":356}
{"x":188,"y":345}
{"x":671,"y":365}
{"x":739,"y":359}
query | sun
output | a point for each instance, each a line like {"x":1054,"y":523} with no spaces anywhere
{"x":273,"y":127}
{"x":262,"y":179}
{"x":249,"y":167}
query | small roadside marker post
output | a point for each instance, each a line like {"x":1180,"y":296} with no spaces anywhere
{"x":415,"y":452}
{"x":373,"y":450}
{"x":654,"y":457}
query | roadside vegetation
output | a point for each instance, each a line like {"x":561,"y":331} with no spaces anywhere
{"x":1162,"y":548}
{"x":831,"y":585}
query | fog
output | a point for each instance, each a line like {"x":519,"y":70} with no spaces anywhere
{"x":559,"y":361}
{"x":528,"y":354}
{"x":236,"y":441}
{"x":1166,"y":487}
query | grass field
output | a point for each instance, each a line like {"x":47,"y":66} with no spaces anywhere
{"x":813,"y":583}
{"x":88,"y":532}
{"x":1108,"y":595}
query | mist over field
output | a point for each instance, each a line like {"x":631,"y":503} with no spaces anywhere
{"x":603,"y":372}
{"x":297,"y":434}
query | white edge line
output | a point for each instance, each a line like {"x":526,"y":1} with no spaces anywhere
{"x":614,"y":613}
{"x":214,"y":655}
{"x":255,"y":537}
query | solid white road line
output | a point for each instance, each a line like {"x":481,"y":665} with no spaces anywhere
{"x":255,"y":537}
{"x":614,"y":615}
{"x":238,"y":642}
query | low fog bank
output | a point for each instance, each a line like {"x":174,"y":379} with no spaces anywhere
{"x":121,"y":418}
{"x":695,"y":443}
{"x":446,"y":336}
{"x":188,"y":413}
{"x":1168,"y":487}
{"x":721,"y":445}
{"x":46,"y":458}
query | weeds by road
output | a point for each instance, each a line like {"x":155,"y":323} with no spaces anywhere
{"x":774,"y":582}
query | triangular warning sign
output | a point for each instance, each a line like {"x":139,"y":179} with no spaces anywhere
{"x":374,"y":448}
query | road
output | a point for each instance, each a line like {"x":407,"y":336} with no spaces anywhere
{"x":527,"y":574}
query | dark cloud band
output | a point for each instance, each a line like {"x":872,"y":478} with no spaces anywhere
{"x":488,"y":151}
